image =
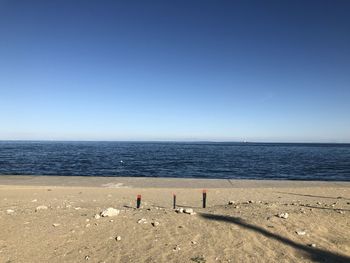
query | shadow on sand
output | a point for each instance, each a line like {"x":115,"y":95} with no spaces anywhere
{"x":315,"y":196}
{"x":315,"y":254}
{"x":325,"y":208}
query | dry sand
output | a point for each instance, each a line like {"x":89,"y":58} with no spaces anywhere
{"x":243,"y":232}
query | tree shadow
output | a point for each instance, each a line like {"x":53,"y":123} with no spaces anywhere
{"x":316,"y":196}
{"x":315,"y":254}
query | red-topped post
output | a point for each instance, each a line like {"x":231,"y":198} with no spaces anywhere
{"x":138,"y":201}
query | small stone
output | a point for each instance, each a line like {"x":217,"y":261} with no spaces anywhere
{"x":118,"y":238}
{"x":87,"y":220}
{"x":312,"y":245}
{"x":41,"y":207}
{"x":77,"y":208}
{"x":340,"y":212}
{"x":34,"y":200}
{"x":194,"y":242}
{"x":300,"y":232}
{"x":155,"y":223}
{"x":319,"y":203}
{"x":283,"y":215}
{"x":176,"y":248}
{"x":10,"y":211}
{"x":179,"y":210}
{"x":250,"y":201}
{"x":231,"y":202}
{"x":111,"y":221}
{"x":110,"y":212}
{"x":142,"y":220}
{"x":55,"y":224}
{"x":188,"y":211}
{"x":97,"y":216}
{"x":86,"y":257}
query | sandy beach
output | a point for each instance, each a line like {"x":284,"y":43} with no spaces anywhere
{"x":56,"y":219}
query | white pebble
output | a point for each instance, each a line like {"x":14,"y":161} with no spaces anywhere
{"x":142,"y":220}
{"x":10,"y":211}
{"x":41,"y":207}
{"x":110,"y":212}
{"x":155,"y":223}
{"x":283,"y":215}
{"x":97,"y":216}
{"x":300,"y":232}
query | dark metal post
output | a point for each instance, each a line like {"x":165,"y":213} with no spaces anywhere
{"x":138,"y":201}
{"x":204,"y":198}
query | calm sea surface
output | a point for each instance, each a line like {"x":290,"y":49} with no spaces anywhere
{"x":202,"y":160}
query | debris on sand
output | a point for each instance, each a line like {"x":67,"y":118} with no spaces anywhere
{"x":176,"y":248}
{"x":97,"y":216}
{"x":10,"y":211}
{"x":179,"y":210}
{"x":188,"y":211}
{"x":110,"y":212}
{"x":312,"y":245}
{"x":142,"y":220}
{"x":301,"y":232}
{"x":41,"y":207}
{"x":155,"y":223}
{"x":283,"y":215}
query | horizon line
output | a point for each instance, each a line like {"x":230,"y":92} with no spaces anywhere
{"x":172,"y":141}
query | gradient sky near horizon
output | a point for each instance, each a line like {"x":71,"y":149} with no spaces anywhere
{"x":175,"y":70}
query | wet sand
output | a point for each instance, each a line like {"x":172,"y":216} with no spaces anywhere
{"x":249,"y":230}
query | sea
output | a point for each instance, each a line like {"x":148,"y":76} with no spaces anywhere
{"x":286,"y":161}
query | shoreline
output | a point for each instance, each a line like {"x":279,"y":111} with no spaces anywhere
{"x":158,"y":182}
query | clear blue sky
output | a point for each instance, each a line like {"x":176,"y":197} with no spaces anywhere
{"x":175,"y":70}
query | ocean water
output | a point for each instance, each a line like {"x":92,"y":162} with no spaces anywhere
{"x":172,"y":159}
